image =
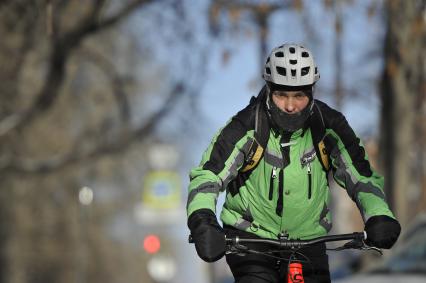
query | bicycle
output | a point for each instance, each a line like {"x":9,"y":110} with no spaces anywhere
{"x":235,"y":245}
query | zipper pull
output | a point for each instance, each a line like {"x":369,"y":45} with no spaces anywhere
{"x":283,"y":236}
{"x":284,"y":144}
{"x":274,"y":172}
{"x":309,"y":169}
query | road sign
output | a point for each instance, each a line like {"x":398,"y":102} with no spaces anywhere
{"x":162,"y":190}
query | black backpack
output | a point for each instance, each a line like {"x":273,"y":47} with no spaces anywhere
{"x":262,"y":128}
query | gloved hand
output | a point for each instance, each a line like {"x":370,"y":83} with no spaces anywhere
{"x":207,"y":234}
{"x":382,"y":231}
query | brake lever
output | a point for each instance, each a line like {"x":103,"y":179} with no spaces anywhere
{"x":354,"y":244}
{"x":237,"y":249}
{"x":365,"y":247}
{"x":359,"y":245}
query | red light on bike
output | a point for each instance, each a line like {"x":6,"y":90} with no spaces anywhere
{"x":151,"y":244}
{"x":295,"y":274}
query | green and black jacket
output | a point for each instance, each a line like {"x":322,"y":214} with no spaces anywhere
{"x":287,"y":191}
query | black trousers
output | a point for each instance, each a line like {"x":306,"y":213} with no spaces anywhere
{"x":257,"y":268}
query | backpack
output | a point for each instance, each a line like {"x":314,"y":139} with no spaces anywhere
{"x":261,"y":135}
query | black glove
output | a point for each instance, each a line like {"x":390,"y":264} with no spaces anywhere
{"x":382,"y":231}
{"x":207,"y":234}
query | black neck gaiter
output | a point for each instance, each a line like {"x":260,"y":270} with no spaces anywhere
{"x":285,"y":121}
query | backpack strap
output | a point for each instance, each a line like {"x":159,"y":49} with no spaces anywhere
{"x":319,"y":136}
{"x":261,"y":133}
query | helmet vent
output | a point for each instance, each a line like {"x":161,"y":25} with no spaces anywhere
{"x":279,"y":54}
{"x":267,"y":60}
{"x":293,"y":62}
{"x":282,"y":71}
{"x":293,"y":72}
{"x":292,"y":50}
{"x":305,"y":54}
{"x":316,"y":70}
{"x":305,"y":71}
{"x":268,"y":70}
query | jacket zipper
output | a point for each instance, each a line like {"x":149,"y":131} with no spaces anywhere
{"x":309,"y":180}
{"x":271,"y":184}
{"x":280,"y":202}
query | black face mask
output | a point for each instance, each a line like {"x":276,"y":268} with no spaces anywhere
{"x":288,"y":122}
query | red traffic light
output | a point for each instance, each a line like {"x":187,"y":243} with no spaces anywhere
{"x":151,"y":244}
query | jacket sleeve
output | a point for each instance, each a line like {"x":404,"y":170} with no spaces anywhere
{"x":220,"y":164}
{"x":351,"y":169}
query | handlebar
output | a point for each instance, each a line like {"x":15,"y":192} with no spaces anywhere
{"x":298,"y":243}
{"x":294,"y":243}
{"x":356,"y":241}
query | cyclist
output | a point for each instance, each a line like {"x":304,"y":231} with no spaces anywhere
{"x":276,"y":182}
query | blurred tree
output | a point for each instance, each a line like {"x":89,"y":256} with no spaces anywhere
{"x":336,"y":6}
{"x":70,"y":114}
{"x":229,"y":15}
{"x":225,"y":15}
{"x":403,"y":107}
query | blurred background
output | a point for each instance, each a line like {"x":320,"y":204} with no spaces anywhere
{"x":106,"y":105}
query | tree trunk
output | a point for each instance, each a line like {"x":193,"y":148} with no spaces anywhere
{"x":402,"y":80}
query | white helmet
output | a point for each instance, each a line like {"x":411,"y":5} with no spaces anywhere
{"x":291,"y":65}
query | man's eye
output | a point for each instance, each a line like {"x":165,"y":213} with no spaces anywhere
{"x":280,"y":94}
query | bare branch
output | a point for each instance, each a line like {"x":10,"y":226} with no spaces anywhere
{"x":116,"y":80}
{"x":62,"y":46}
{"x":253,"y":5}
{"x":119,"y":145}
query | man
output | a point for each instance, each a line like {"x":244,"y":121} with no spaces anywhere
{"x":276,"y":182}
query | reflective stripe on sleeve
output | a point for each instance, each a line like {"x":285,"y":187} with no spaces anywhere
{"x":209,"y":187}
